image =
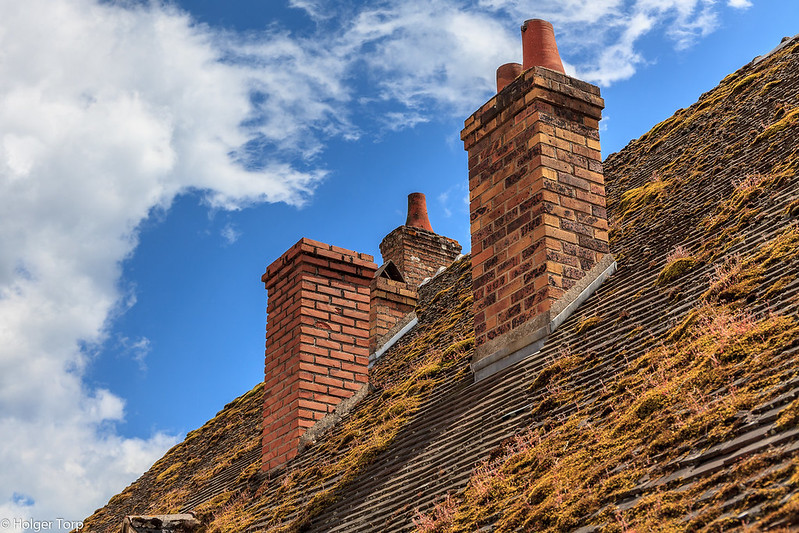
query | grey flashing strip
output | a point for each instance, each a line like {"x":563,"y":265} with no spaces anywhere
{"x":539,"y":334}
{"x":785,"y":42}
{"x":482,"y":371}
{"x":561,"y":317}
{"x":390,"y":342}
{"x":313,"y":433}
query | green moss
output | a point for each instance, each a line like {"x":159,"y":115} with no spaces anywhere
{"x":789,"y":418}
{"x":778,"y":286}
{"x":572,"y":473}
{"x":770,"y":85}
{"x":675,"y":269}
{"x":586,"y":324}
{"x":742,"y":279}
{"x":790,"y":120}
{"x":649,"y":404}
{"x":172,"y":469}
{"x":640,"y":196}
{"x":687,"y":325}
{"x":403,"y":381}
{"x":560,"y":367}
{"x":744,"y":83}
{"x":459,"y":348}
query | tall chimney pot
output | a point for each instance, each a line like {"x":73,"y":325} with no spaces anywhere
{"x":417,"y":212}
{"x":539,"y":48}
{"x":507,"y":73}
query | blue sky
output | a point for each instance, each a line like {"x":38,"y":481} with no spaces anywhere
{"x":155,"y":158}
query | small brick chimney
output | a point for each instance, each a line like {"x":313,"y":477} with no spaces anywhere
{"x":391,"y":300}
{"x":538,"y":220}
{"x":317,"y":333}
{"x":416,"y":250}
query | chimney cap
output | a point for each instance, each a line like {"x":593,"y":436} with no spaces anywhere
{"x":507,"y":73}
{"x":417,"y":212}
{"x":539,"y":48}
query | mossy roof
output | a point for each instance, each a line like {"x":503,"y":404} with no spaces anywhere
{"x":668,"y":401}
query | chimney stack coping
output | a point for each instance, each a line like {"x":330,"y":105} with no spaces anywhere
{"x":536,"y":83}
{"x":306,"y":248}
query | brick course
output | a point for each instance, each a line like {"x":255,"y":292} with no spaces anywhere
{"x":537,"y":197}
{"x":391,"y":301}
{"x":317,"y":335}
{"x":418,"y":253}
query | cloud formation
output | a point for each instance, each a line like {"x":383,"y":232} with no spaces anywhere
{"x":109,"y":111}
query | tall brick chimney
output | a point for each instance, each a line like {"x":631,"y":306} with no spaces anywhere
{"x":538,"y":220}
{"x":416,"y":250}
{"x":317,"y":333}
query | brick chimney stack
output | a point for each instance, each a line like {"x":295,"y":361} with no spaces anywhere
{"x":416,"y":250}
{"x":317,"y":334}
{"x":392,"y":299}
{"x":538,"y":220}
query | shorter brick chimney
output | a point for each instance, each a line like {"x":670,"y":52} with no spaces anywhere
{"x":416,"y":250}
{"x":391,"y":300}
{"x":538,"y":222}
{"x":317,"y":335}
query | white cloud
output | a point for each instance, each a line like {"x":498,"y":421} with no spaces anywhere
{"x":602,"y":37}
{"x":431,"y":52}
{"x":395,"y":121}
{"x":136,"y":349}
{"x":443,"y":199}
{"x":455,"y":200}
{"x":313,"y":8}
{"x":108,"y":112}
{"x":739,"y":4}
{"x":230,"y":233}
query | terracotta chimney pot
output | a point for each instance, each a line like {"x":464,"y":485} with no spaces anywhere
{"x":507,"y":73}
{"x":539,"y":48}
{"x":417,"y":212}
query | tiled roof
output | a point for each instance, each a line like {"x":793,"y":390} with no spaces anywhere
{"x":668,"y":400}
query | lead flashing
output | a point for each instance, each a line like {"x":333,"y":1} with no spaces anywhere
{"x":395,"y":334}
{"x":531,"y":336}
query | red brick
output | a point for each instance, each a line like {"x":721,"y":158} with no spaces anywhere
{"x":308,"y":286}
{"x":526,"y":204}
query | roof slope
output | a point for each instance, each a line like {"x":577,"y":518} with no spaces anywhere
{"x":667,"y":401}
{"x":221,"y":454}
